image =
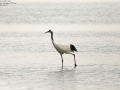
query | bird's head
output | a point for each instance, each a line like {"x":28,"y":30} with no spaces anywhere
{"x":49,"y":31}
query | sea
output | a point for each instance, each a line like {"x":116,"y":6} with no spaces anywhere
{"x":29,"y":61}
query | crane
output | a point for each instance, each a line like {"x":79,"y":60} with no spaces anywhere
{"x":63,"y":48}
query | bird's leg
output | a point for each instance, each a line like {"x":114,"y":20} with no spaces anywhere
{"x":62,"y":59}
{"x":74,"y":60}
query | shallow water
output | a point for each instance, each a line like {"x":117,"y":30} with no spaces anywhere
{"x":28,"y":61}
{"x":61,"y":13}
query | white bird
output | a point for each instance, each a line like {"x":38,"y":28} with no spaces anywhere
{"x":63,"y":48}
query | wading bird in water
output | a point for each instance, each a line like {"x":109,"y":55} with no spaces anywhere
{"x":63,"y":48}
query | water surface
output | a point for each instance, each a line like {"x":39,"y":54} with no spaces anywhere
{"x":28,"y":60}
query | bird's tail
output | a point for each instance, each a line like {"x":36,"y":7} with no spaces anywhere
{"x":73,"y":48}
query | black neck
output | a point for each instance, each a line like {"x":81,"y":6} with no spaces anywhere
{"x":52,"y":36}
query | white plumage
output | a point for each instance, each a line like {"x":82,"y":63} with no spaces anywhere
{"x":63,"y":48}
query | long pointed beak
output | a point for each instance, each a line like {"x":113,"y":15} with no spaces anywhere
{"x":46,"y":32}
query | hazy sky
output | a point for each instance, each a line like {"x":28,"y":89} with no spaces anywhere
{"x":66,"y":0}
